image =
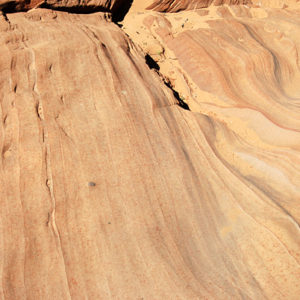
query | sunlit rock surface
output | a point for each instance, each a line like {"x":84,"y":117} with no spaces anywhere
{"x":109,"y":189}
{"x":178,"y":5}
{"x":70,"y":5}
{"x":238,"y":70}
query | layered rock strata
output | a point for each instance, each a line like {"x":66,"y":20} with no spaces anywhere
{"x":111,"y":190}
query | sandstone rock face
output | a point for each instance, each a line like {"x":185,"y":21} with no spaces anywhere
{"x":84,"y":6}
{"x":178,"y":5}
{"x":110,"y":190}
{"x":237,"y":69}
{"x":89,"y":6}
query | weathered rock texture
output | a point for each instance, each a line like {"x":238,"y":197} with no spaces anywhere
{"x":238,"y":70}
{"x":110,"y":190}
{"x":84,"y":6}
{"x":178,"y":5}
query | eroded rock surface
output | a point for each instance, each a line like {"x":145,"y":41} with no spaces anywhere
{"x":111,"y":190}
{"x":71,"y":5}
{"x":237,"y":69}
{"x":178,"y":5}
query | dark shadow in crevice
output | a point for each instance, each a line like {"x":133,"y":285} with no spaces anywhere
{"x":119,"y":12}
{"x":8,"y":8}
{"x":5,"y":17}
{"x":181,"y":102}
{"x":152,"y":64}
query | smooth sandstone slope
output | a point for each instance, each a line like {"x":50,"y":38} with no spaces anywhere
{"x":237,"y":68}
{"x":110,"y":190}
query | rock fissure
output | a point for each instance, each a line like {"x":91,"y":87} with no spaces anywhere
{"x":46,"y":146}
{"x":51,"y":219}
{"x":153,"y":65}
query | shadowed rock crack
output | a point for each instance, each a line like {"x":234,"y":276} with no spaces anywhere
{"x":153,"y":65}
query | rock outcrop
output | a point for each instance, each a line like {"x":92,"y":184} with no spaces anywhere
{"x":178,"y":179}
{"x":237,"y":69}
{"x":179,"y":5}
{"x":69,"y":5}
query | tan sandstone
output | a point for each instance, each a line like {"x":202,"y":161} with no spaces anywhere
{"x":109,"y":189}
